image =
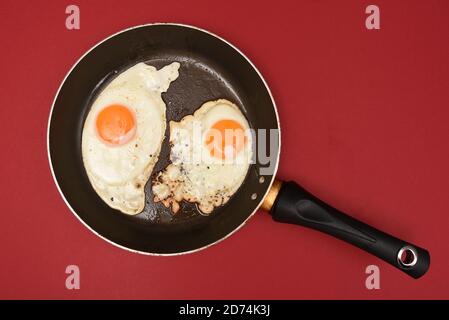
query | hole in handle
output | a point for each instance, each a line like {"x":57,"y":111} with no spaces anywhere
{"x":407,"y":257}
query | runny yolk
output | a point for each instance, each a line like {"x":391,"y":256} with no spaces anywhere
{"x":115,"y":124}
{"x":225,"y":139}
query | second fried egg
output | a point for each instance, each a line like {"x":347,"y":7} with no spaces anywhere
{"x":211,"y":152}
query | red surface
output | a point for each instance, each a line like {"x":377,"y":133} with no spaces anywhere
{"x":365,"y":126}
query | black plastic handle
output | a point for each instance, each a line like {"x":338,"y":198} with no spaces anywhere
{"x":295,"y":205}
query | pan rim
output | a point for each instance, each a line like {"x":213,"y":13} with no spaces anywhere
{"x":261,"y":198}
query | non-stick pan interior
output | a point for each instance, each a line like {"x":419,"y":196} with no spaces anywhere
{"x":210,"y":69}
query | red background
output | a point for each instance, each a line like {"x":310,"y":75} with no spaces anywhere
{"x":365,"y":126}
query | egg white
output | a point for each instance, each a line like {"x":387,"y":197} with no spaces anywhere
{"x":194,"y":174}
{"x":119,"y":173}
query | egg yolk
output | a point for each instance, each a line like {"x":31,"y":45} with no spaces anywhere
{"x":115,"y":124}
{"x":225,"y":139}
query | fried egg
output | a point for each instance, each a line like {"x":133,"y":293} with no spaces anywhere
{"x":123,"y":134}
{"x":210,"y":155}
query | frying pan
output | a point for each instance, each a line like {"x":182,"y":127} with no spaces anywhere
{"x":211,"y":68}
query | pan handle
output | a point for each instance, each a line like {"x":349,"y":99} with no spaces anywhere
{"x":295,"y":205}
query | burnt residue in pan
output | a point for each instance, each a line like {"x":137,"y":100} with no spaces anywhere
{"x":196,"y":84}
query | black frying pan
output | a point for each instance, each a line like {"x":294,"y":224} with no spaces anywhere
{"x":211,"y":68}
